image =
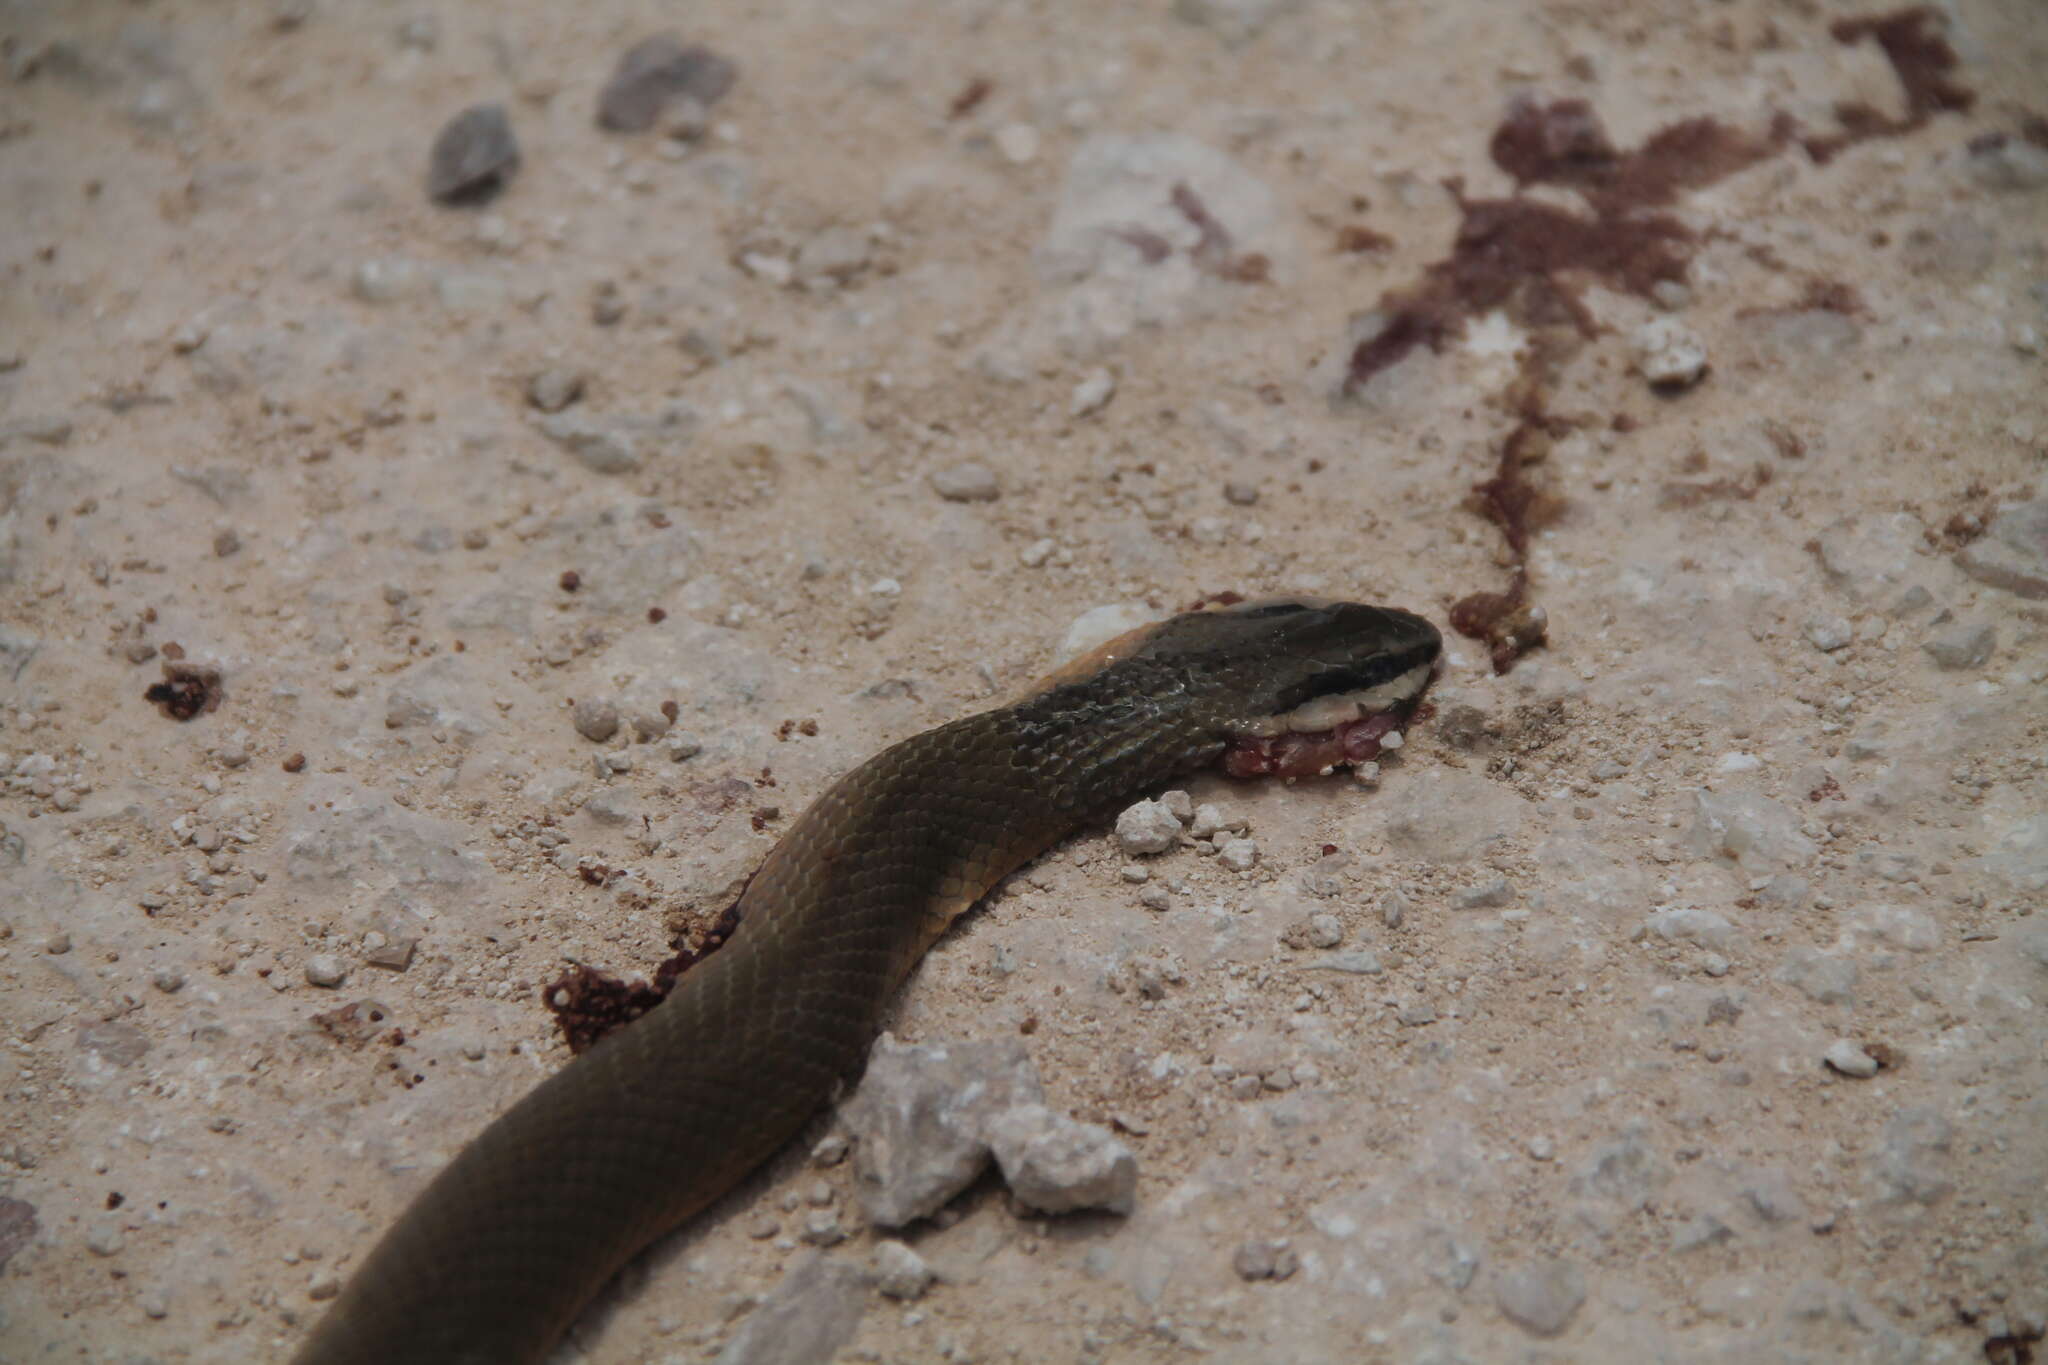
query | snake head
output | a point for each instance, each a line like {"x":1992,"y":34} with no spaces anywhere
{"x":1298,"y":685}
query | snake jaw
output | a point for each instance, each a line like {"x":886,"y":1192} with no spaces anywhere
{"x":1297,"y":754}
{"x":1336,"y":730}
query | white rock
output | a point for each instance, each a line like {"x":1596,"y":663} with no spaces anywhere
{"x":1542,"y":1298}
{"x":1147,"y":827}
{"x":900,"y":1272}
{"x":1018,"y":142}
{"x":920,"y":1118}
{"x":1092,"y":394}
{"x":1097,"y":626}
{"x":1670,"y":354}
{"x":1057,"y":1165}
{"x":1691,"y":923}
{"x":1849,"y":1059}
{"x":1239,"y":855}
{"x":967,"y":483}
{"x":1829,"y":633}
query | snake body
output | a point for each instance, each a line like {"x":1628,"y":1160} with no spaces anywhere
{"x":492,"y":1261}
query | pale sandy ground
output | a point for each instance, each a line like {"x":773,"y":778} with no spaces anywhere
{"x":189,"y":196}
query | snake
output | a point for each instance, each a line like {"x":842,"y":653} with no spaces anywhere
{"x":492,"y":1261}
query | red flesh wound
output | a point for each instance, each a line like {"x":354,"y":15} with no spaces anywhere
{"x":1305,"y":755}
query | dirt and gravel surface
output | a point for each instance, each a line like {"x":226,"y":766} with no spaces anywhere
{"x":401,"y":601}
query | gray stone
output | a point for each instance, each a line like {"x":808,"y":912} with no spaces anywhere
{"x":655,"y":71}
{"x":2007,"y":162}
{"x":1239,"y":855}
{"x":806,"y":1318}
{"x":348,"y":835}
{"x":387,"y":279}
{"x":1963,"y":646}
{"x":1540,"y":1298}
{"x":103,"y":1237}
{"x":1452,"y":817}
{"x":2032,"y":945}
{"x":2013,"y":552}
{"x":595,"y":718}
{"x":18,"y":1227}
{"x":1757,"y":834}
{"x":1911,"y":1163}
{"x":1770,"y":1193}
{"x":473,"y":157}
{"x":1092,"y":394}
{"x":1447,"y":1260}
{"x":114,"y":1042}
{"x":1358,"y":962}
{"x":1684,"y":922}
{"x":2019,"y":860}
{"x":1235,"y":22}
{"x":920,"y":1118}
{"x":1829,"y":633}
{"x":967,"y":483}
{"x":1821,"y":977}
{"x":554,"y":388}
{"x":1703,"y":1230}
{"x":325,"y":969}
{"x":1849,"y":1059}
{"x":1325,"y":931}
{"x":1626,"y":1170}
{"x":1265,"y":1259}
{"x":602,"y":444}
{"x":1057,"y":1164}
{"x":835,"y":256}
{"x":1147,"y":827}
{"x":822,"y":1228}
{"x":900,"y":1273}
{"x":1486,"y":896}
{"x":1901,"y":927}
{"x":50,"y":429}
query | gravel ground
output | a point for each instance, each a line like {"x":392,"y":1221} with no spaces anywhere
{"x":443,"y":538}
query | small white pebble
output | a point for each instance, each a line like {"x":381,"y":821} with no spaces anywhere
{"x":1849,"y":1059}
{"x":1393,"y":739}
{"x":325,"y":969}
{"x":1669,"y":354}
{"x":1092,"y":394}
{"x":1018,"y":143}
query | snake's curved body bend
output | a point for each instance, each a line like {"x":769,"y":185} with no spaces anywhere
{"x":493,"y":1260}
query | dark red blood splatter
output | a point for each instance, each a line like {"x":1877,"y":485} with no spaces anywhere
{"x":1922,"y":60}
{"x":187,"y":690}
{"x":588,"y":1004}
{"x":1513,"y":253}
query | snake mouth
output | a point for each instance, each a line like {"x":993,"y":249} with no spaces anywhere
{"x":1335,"y":730}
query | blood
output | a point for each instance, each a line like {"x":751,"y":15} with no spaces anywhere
{"x":1306,"y":755}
